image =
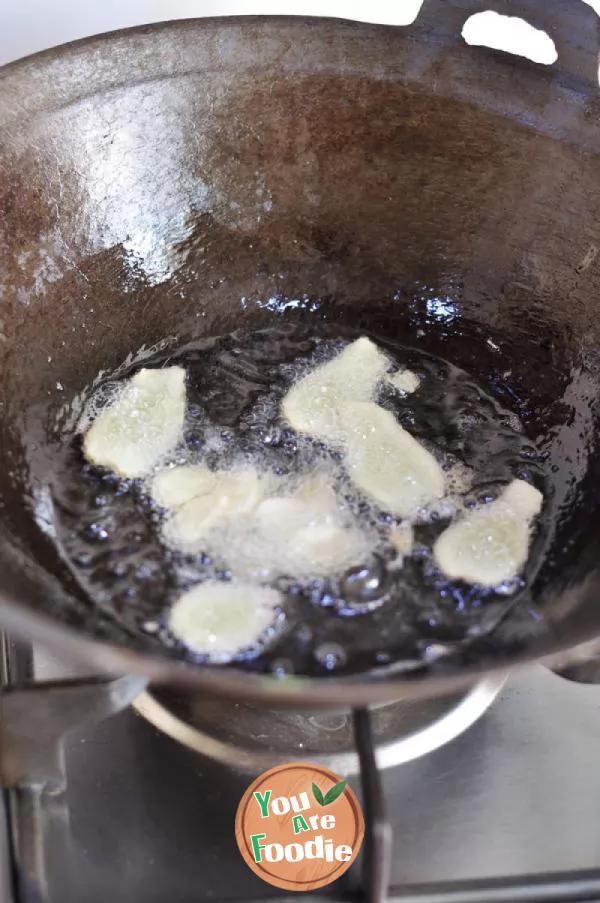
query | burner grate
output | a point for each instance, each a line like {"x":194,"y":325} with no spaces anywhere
{"x":32,"y":716}
{"x":34,"y":719}
{"x":378,"y":831}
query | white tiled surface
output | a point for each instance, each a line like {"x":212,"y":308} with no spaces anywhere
{"x":27,"y":26}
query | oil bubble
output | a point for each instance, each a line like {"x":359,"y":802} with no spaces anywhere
{"x":95,"y":533}
{"x":236,"y":385}
{"x":331,"y":656}
{"x":282,"y":667}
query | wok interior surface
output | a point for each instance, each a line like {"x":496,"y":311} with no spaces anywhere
{"x":182,"y":181}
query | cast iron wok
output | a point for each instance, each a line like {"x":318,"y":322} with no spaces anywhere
{"x":186,"y":179}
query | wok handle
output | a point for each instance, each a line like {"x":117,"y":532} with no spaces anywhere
{"x":586,"y":673}
{"x":572,"y":24}
{"x":581,"y":664}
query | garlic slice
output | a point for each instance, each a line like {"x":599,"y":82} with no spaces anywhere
{"x":141,"y":424}
{"x":222,"y":619}
{"x":490,"y":544}
{"x":234,"y":493}
{"x":386,"y":462}
{"x":312,"y":404}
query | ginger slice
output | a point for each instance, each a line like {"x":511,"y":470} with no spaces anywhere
{"x":142,"y":423}
{"x":491,"y":543}
{"x":174,"y":487}
{"x":232,"y":494}
{"x":312,"y":404}
{"x":221,"y":619}
{"x":387,"y":463}
{"x":405,"y":382}
{"x":301,"y":535}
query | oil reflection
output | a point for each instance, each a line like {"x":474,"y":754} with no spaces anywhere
{"x":443,"y":309}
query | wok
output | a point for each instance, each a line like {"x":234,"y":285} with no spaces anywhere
{"x":184,"y":179}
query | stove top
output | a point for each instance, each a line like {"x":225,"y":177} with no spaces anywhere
{"x":506,"y":811}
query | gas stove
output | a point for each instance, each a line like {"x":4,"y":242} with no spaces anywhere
{"x":508,"y":810}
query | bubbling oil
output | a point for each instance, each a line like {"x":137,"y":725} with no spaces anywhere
{"x":389,"y":606}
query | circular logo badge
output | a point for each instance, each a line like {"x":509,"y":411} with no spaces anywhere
{"x":299,"y":826}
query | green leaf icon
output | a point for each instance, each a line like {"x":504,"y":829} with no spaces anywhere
{"x":318,"y":795}
{"x":333,"y":793}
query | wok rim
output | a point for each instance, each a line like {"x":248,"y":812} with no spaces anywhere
{"x":303,"y":692}
{"x":237,"y":19}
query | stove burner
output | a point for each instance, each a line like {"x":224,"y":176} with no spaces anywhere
{"x":36,"y":716}
{"x":253,"y":739}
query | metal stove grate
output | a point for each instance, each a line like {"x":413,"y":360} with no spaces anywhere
{"x":33,"y":719}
